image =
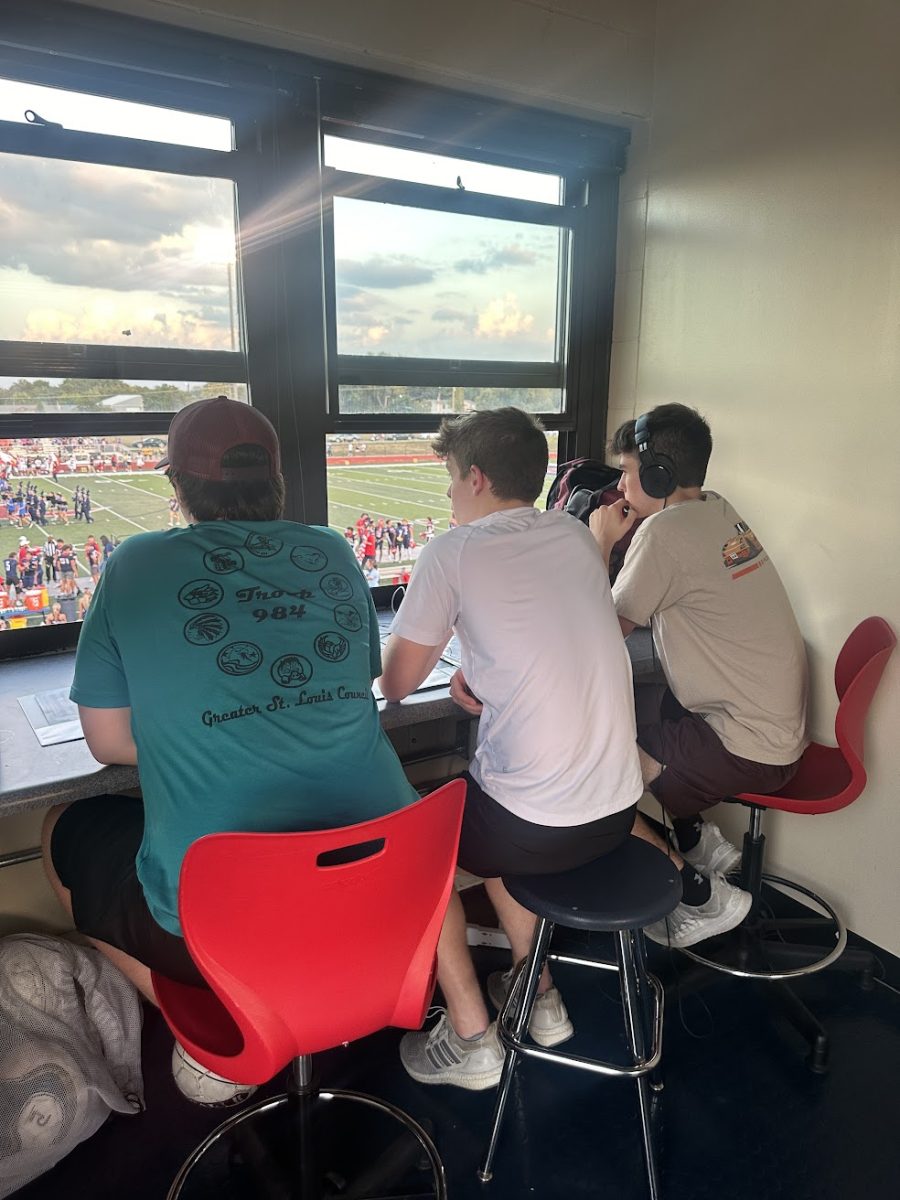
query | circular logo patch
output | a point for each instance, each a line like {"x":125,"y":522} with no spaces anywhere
{"x":262,"y":545}
{"x":206,"y":629}
{"x":337,"y":587}
{"x":309,"y":558}
{"x":332,"y":646}
{"x":223,"y":561}
{"x":348,"y":618}
{"x":201,"y":593}
{"x":239,"y":658}
{"x":292,"y":670}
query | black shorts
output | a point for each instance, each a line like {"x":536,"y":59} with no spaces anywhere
{"x":93,"y":849}
{"x":698,"y":770}
{"x":496,"y":842}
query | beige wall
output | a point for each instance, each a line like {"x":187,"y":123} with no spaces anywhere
{"x":771,"y":301}
{"x":587,"y":56}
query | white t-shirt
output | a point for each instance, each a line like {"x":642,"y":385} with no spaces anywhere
{"x":528,"y":596}
{"x":723,"y":626}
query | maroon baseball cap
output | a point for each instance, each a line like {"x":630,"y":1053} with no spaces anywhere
{"x":203,"y":432}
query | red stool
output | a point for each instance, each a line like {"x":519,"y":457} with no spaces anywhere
{"x":310,"y":940}
{"x":829,"y":778}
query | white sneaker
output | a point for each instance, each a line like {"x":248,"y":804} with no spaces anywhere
{"x":204,"y":1086}
{"x":689,"y":924}
{"x":713,"y":853}
{"x":549,"y":1024}
{"x":442,"y":1056}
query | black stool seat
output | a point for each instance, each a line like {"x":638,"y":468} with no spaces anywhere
{"x":627,"y":889}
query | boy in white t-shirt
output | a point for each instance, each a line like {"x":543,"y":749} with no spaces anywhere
{"x":733,"y":716}
{"x":555,"y":776}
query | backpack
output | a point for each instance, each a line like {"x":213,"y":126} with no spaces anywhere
{"x":587,"y":473}
{"x":583,"y":485}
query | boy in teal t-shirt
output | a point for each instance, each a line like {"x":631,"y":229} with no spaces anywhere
{"x":232,"y":660}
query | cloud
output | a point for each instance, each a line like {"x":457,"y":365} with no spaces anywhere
{"x":375,"y":334}
{"x":396,"y":271}
{"x":512,"y":255}
{"x":115,"y":228}
{"x":101,"y":323}
{"x":450,"y":314}
{"x":502,"y":319}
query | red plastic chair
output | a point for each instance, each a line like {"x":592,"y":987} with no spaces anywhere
{"x":303,"y":952}
{"x":828,"y":778}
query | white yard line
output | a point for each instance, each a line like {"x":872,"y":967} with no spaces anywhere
{"x":136,"y":524}
{"x":143,"y":491}
{"x":369,"y":489}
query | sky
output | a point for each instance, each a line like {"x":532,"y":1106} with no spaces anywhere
{"x":120,"y":256}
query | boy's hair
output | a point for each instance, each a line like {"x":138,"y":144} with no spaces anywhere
{"x":508,"y":445}
{"x":256,"y":500}
{"x":678,"y":432}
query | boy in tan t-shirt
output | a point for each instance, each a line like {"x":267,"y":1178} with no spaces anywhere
{"x":732,"y":716}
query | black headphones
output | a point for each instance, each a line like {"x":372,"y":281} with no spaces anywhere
{"x":658,"y":475}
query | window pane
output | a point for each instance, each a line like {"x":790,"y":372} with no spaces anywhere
{"x":422,"y":284}
{"x":388,"y":495}
{"x":413,"y":166}
{"x":107,"y":395}
{"x":121,"y":118}
{"x":116,"y":256}
{"x":71,"y":490}
{"x":391,"y":400}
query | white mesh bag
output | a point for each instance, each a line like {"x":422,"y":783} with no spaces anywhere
{"x":70,"y":1051}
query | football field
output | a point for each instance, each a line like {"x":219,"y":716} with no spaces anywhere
{"x":126,"y":503}
{"x":123,"y":504}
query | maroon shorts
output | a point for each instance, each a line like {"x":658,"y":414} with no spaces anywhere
{"x":698,"y":770}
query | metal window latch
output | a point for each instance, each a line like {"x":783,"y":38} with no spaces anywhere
{"x":34,"y":118}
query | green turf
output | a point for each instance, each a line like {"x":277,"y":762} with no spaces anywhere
{"x":127,"y":504}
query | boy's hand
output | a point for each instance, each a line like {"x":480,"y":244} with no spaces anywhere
{"x":609,"y":523}
{"x":461,"y":693}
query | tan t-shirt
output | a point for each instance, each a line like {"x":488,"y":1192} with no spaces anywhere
{"x":723,"y":626}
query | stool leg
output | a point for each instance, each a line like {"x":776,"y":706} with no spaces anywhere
{"x":640,"y":954}
{"x":630,"y":972}
{"x":527,"y":991}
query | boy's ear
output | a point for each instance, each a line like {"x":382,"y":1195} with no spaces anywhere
{"x":479,"y":480}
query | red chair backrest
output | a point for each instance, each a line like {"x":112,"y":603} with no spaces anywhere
{"x":857,"y":674}
{"x":303,"y":954}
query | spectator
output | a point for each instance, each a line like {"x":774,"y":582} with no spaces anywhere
{"x":555,"y":778}
{"x":84,"y":603}
{"x":56,"y":616}
{"x":203,"y":688}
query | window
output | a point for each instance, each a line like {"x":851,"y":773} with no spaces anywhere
{"x":137,"y":258}
{"x":435,"y":278}
{"x":119,"y":304}
{"x":183,"y":215}
{"x":29,"y":102}
{"x":392,"y":162}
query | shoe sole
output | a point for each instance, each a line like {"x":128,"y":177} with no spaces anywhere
{"x":472,"y":1083}
{"x":547,"y":1039}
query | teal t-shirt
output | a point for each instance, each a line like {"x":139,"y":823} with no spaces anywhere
{"x":246,"y":652}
